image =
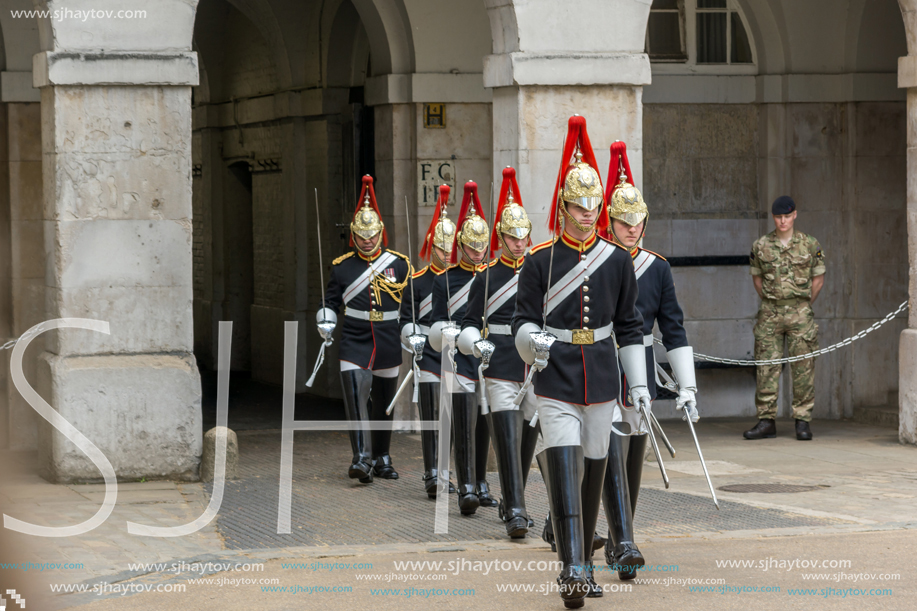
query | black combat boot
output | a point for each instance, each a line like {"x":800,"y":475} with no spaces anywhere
{"x":803,"y":433}
{"x":383,"y":392}
{"x":562,"y":469}
{"x":621,"y":551}
{"x":765,"y":429}
{"x":356,"y":384}
{"x":464,"y":419}
{"x":591,"y":491}
{"x":481,"y":453}
{"x":506,"y":432}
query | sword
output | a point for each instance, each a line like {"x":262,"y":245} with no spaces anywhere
{"x":542,"y":340}
{"x":416,"y":340}
{"x":484,"y":345}
{"x":450,"y":329}
{"x":649,"y":428}
{"x":665,"y":440}
{"x":325,"y":327}
{"x":673,"y":386}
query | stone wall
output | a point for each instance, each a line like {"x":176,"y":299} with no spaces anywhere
{"x":711,"y":172}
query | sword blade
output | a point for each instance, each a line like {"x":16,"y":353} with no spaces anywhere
{"x":321,"y":265}
{"x":401,"y":388}
{"x":649,"y":428}
{"x":487,"y":271}
{"x":665,"y":439}
{"x":702,"y":462}
{"x":407,"y":216}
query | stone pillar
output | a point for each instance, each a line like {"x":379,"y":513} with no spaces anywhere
{"x":553,"y":60}
{"x":116,"y":154}
{"x":907,"y":349}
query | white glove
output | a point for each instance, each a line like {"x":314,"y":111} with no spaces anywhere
{"x":639,"y":395}
{"x":467,"y":339}
{"x":682,"y":362}
{"x":685,"y":401}
{"x":436,"y":336}
{"x":524,"y":345}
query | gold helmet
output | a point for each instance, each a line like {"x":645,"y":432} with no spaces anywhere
{"x":475,"y":234}
{"x":627,"y":203}
{"x":582,"y":185}
{"x":473,"y":231}
{"x":444,"y":234}
{"x":511,"y":216}
{"x":367,"y":220}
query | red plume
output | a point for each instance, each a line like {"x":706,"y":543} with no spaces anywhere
{"x":427,"y":249}
{"x":576,"y":133}
{"x":618,"y":158}
{"x":471,"y":197}
{"x":509,"y":182}
{"x":368,"y":186}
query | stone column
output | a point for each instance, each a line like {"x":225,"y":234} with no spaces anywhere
{"x":907,"y":349}
{"x":553,"y":60}
{"x":116,"y":155}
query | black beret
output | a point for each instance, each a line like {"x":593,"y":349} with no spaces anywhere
{"x":783,"y":205}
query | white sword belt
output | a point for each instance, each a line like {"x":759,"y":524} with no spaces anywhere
{"x":648,"y":340}
{"x":374,"y":316}
{"x":582,"y":337}
{"x":499,"y":329}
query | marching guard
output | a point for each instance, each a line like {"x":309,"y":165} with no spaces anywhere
{"x":511,"y":429}
{"x":450,"y":299}
{"x":369,"y":282}
{"x":657,"y":303}
{"x":437,"y":248}
{"x":573,"y":291}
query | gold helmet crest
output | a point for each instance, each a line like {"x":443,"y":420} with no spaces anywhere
{"x":627,"y":203}
{"x":582,"y":185}
{"x":367,"y":220}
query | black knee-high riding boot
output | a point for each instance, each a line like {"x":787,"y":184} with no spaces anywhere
{"x":464,"y":419}
{"x":562,"y":469}
{"x":481,"y":452}
{"x":383,"y":392}
{"x":506,"y":431}
{"x":529,"y":441}
{"x":356,"y":384}
{"x":593,"y":478}
{"x":620,"y":551}
{"x":636,"y":456}
{"x":428,"y":405}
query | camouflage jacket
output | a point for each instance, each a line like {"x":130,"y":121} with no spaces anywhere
{"x":787,"y":271}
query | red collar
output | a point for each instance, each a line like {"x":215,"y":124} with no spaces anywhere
{"x":576,"y":244}
{"x":435,"y":268}
{"x":468,"y":266}
{"x":510,"y":262}
{"x":368,"y":258}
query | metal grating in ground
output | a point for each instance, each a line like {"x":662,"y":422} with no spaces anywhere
{"x":331,"y":509}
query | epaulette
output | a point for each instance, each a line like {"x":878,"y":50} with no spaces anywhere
{"x":652,"y":253}
{"x":541,"y":246}
{"x":397,"y":254}
{"x":494,"y":262}
{"x":610,"y":241}
{"x":421,"y":272}
{"x":346,"y":255}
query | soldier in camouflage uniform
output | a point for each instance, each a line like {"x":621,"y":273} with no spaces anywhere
{"x":788,"y":269}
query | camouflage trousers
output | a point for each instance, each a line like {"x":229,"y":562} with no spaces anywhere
{"x":797,"y":324}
